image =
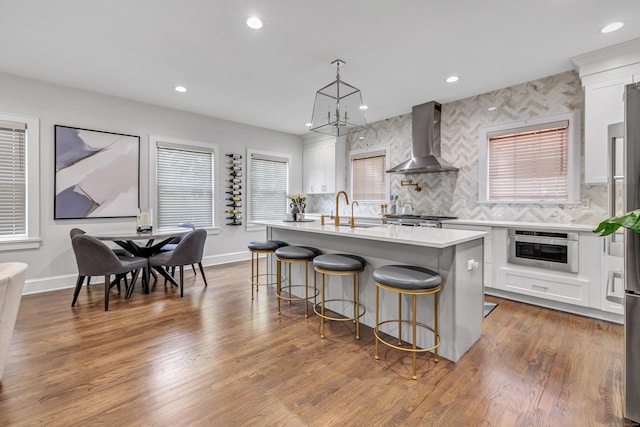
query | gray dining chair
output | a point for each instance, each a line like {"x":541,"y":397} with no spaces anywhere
{"x":173,"y":243}
{"x":118,"y":251}
{"x":94,"y":258}
{"x":188,"y":252}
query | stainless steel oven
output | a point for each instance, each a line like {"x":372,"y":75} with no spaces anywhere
{"x":544,"y":249}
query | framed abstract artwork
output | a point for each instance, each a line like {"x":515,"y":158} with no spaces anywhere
{"x":96,"y":174}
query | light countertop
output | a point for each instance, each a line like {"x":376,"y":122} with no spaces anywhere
{"x":523,"y":224}
{"x":418,"y":236}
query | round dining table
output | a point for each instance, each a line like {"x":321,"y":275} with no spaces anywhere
{"x":129,"y":241}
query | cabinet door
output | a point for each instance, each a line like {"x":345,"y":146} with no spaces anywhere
{"x":603,"y":106}
{"x":308,"y":175}
{"x":328,"y":165}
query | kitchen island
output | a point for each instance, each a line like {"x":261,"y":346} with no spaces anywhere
{"x":454,"y":254}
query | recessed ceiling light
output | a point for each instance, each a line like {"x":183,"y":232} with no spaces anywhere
{"x":361,"y":137}
{"x":452,"y":79}
{"x":611,"y":27}
{"x":308,"y":124}
{"x":254,"y":23}
{"x":492,"y":108}
{"x":180,"y":89}
{"x":364,"y":107}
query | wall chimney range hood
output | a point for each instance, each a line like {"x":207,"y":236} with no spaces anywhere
{"x":425,"y":143}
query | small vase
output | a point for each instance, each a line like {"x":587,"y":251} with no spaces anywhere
{"x":294,"y":211}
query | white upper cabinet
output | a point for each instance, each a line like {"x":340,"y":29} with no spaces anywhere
{"x":323,"y":166}
{"x":604,"y":73}
{"x":604,"y":105}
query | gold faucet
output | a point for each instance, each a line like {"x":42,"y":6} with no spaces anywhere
{"x":337,"y":220}
{"x":353,"y":222}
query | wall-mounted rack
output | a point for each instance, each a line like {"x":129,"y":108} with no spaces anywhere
{"x":233,"y":191}
{"x":410,"y":183}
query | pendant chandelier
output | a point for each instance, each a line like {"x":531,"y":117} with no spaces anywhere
{"x":338,"y":109}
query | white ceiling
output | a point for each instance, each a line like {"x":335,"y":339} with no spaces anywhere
{"x":397,"y":53}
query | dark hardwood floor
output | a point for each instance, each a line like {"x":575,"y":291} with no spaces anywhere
{"x":215,"y":357}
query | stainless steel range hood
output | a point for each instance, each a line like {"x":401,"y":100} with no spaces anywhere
{"x":425,"y":144}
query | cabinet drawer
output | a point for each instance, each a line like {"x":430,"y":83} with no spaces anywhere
{"x":567,"y":292}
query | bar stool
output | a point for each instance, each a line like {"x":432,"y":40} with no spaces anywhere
{"x":414,"y":281}
{"x":341,"y":265}
{"x":290,"y":255}
{"x":256,"y":248}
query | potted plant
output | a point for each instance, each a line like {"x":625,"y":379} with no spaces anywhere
{"x":630,"y":220}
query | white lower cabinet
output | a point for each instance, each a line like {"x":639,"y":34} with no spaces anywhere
{"x":595,"y":290}
{"x":488,"y":250}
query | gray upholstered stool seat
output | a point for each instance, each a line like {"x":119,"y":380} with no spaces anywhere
{"x":256,"y":248}
{"x":290,"y":255}
{"x":408,"y":280}
{"x":297,"y":252}
{"x":339,"y":262}
{"x":407,"y":277}
{"x":340,"y":265}
{"x":266,"y":245}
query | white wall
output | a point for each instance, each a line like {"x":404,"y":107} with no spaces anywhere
{"x":52,"y":266}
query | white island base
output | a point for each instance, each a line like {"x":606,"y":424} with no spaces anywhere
{"x":454,"y":254}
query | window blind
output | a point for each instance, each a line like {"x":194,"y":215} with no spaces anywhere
{"x":529,"y":163}
{"x":368,"y":177}
{"x":269,"y":187}
{"x":185,"y":187}
{"x":12,"y":179}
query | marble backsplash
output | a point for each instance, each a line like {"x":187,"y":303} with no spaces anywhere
{"x":456,"y":193}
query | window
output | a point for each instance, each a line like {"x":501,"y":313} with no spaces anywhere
{"x":268,"y":185}
{"x":184,"y":183}
{"x":19,"y":178}
{"x":368,"y":176}
{"x":530,"y":161}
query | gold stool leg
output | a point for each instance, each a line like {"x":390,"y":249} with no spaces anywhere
{"x":399,"y":318}
{"x":306,"y":289}
{"x":279,"y":283}
{"x":289,"y":283}
{"x":377,"y":330}
{"x":322,"y":308}
{"x":253,"y":277}
{"x":435,"y":325}
{"x":356,"y":306}
{"x":413,"y":303}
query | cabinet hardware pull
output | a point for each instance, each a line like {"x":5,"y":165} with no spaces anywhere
{"x":545,"y":288}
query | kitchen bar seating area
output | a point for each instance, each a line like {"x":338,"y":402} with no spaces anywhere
{"x":447,"y":239}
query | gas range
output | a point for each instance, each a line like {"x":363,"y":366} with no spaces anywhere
{"x":431,"y":221}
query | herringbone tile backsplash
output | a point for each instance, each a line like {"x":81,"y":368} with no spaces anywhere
{"x":456,"y":193}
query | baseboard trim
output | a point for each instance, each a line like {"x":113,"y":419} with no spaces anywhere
{"x":54,"y":283}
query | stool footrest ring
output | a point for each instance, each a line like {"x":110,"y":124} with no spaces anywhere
{"x":417,"y":350}
{"x":294,"y":298}
{"x":271,"y":279}
{"x":318,"y":310}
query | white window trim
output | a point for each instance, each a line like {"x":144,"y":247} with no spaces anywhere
{"x":32,"y":163}
{"x":387,"y":166}
{"x":247,"y":183}
{"x":573,"y":161}
{"x":154,"y":140}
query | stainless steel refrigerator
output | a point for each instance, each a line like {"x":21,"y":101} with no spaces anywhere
{"x":632,"y":254}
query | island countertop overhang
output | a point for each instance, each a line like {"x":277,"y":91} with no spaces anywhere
{"x":418,"y":236}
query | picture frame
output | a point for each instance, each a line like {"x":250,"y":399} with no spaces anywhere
{"x":96,"y":174}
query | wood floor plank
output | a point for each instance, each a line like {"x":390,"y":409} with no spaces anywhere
{"x":215,"y":357}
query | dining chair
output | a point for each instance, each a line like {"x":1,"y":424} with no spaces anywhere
{"x":173,"y":243}
{"x":187,"y":252}
{"x":94,"y":258}
{"x":119,"y":252}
